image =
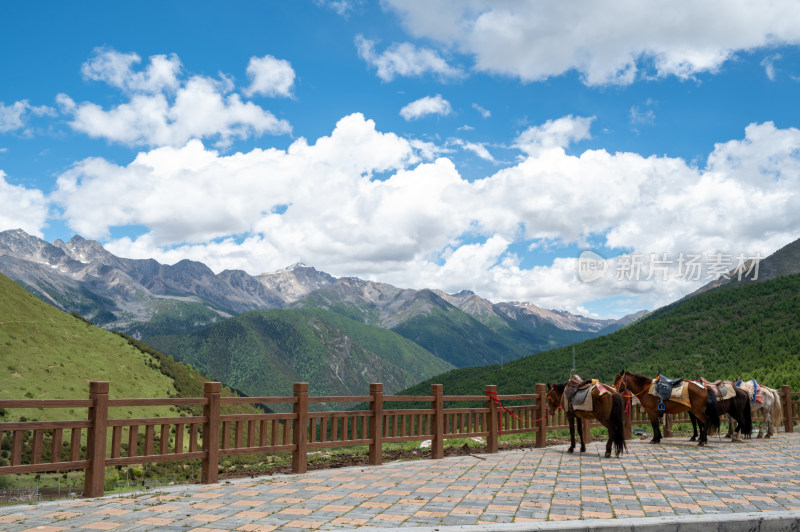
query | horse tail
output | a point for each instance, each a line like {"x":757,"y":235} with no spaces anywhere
{"x":712,"y":411}
{"x":618,"y":434}
{"x":747,"y":426}
{"x":777,"y":407}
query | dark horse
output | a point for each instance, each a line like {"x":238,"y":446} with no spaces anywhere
{"x":606,"y":408}
{"x":738,"y":408}
{"x":703,"y":404}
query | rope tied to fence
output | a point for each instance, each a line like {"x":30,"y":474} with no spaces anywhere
{"x":493,"y":397}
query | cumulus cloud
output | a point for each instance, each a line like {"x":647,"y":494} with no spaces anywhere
{"x":163,"y":110}
{"x":116,"y":69}
{"x":22,"y":208}
{"x":558,"y":133}
{"x":426,"y":225}
{"x":607,"y":42}
{"x":270,"y":77}
{"x":404,"y":59}
{"x":429,"y":105}
{"x":16,"y":117}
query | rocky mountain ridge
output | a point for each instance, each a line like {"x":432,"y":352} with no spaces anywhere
{"x":137,"y":295}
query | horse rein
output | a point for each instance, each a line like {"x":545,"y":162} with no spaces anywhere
{"x":621,"y":381}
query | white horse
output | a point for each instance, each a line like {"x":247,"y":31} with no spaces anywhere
{"x":770,"y":403}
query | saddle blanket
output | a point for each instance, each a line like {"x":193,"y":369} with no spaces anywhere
{"x":680,"y":393}
{"x":723,"y":391}
{"x":753,"y":390}
{"x":582,"y":400}
{"x":726,"y":391}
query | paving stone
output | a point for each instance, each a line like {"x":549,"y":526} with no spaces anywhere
{"x":676,"y":480}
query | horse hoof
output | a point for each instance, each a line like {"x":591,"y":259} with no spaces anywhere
{"x":759,"y":436}
{"x":570,"y":450}
{"x":701,"y":444}
{"x":654,"y":441}
{"x":693,"y":438}
{"x":583,"y":449}
{"x":608,"y":455}
{"x":768,"y":436}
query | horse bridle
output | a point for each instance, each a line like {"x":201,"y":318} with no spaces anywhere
{"x":620,"y":381}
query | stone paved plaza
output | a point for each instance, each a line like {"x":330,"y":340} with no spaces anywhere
{"x":672,"y":479}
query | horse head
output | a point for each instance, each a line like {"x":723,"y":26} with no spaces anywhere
{"x":620,"y":379}
{"x":553,"y":396}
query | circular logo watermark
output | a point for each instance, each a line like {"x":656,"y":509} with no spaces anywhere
{"x":591,"y":267}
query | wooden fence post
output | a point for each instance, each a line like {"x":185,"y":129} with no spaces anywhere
{"x":492,"y":438}
{"x":300,"y":432}
{"x":627,"y":416}
{"x":586,"y":429}
{"x":437,"y":438}
{"x":788,"y":421}
{"x":94,"y":479}
{"x":210,"y":464}
{"x":542,"y":413}
{"x":376,"y":427}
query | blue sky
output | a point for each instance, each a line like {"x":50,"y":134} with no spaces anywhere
{"x":446,"y":144}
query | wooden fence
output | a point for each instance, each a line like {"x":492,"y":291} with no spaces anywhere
{"x":212,"y":435}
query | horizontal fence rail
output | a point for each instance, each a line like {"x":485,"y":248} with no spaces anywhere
{"x":99,"y":441}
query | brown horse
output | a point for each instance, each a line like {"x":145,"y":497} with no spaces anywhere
{"x":606,"y":408}
{"x":737,"y":408}
{"x":703,"y":404}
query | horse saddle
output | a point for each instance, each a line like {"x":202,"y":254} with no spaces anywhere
{"x":664,"y":386}
{"x":722,"y":390}
{"x":574,"y":385}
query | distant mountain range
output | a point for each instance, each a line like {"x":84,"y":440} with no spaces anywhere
{"x":146,"y":299}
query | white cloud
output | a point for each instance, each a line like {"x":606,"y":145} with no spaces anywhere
{"x":22,"y":208}
{"x":341,"y":7}
{"x":429,"y":105}
{"x":606,"y":41}
{"x":642,"y":116}
{"x":483,"y":112}
{"x":404,"y":59}
{"x":769,"y":65}
{"x":424,"y":225}
{"x":163,"y":110}
{"x":115,"y":69}
{"x":558,"y":133}
{"x":270,"y":77}
{"x":16,"y":116}
{"x":475,"y":147}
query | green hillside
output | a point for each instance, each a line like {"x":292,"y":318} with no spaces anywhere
{"x":454,"y":335}
{"x":48,"y":354}
{"x":749,"y":331}
{"x":462,"y":340}
{"x":263,"y":352}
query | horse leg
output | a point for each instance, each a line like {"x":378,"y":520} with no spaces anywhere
{"x":767,"y":420}
{"x":579,"y":422}
{"x":611,"y":435}
{"x":571,"y":419}
{"x":703,"y":434}
{"x":694,"y":427}
{"x":730,"y":427}
{"x":656,"y":430}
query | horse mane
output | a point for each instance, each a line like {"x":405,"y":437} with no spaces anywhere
{"x":638,"y":376}
{"x":559,"y":386}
